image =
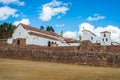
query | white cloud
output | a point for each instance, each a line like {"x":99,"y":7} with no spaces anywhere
{"x":115,"y":31}
{"x":6,"y":12}
{"x":86,"y":26}
{"x":95,"y":17}
{"x":53,"y":8}
{"x":12,"y":2}
{"x":60,"y":25}
{"x":70,"y":34}
{"x":25,"y":21}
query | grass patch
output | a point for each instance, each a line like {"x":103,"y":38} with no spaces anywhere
{"x":11,"y":69}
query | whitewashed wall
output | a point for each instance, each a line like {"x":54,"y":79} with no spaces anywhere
{"x":68,"y":44}
{"x":20,"y":32}
{"x":10,"y":41}
{"x":74,"y":44}
{"x":103,"y":39}
{"x":115,"y":43}
{"x":35,"y":40}
{"x":86,"y":35}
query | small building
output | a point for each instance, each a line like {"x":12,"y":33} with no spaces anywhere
{"x":88,"y":35}
{"x":115,"y":43}
{"x":27,"y":35}
{"x":72,"y":42}
{"x":105,"y":38}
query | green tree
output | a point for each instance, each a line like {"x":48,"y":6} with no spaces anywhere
{"x":47,"y":28}
{"x":80,"y":37}
{"x":6,"y":30}
{"x":41,"y":27}
{"x":61,"y":33}
{"x":50,"y":28}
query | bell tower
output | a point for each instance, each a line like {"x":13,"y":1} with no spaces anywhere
{"x":105,"y":38}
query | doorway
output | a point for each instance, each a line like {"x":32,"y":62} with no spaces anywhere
{"x":18,"y":42}
{"x":49,"y":43}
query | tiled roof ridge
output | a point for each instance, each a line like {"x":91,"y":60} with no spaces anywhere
{"x":89,"y":31}
{"x":70,"y":40}
{"x":43,"y":36}
{"x":38,"y":30}
{"x":105,"y":31}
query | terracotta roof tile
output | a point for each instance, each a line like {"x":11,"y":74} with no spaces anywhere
{"x":89,"y":31}
{"x":43,"y":36}
{"x":49,"y":35}
{"x":38,"y":30}
{"x":69,"y":40}
{"x":105,"y":32}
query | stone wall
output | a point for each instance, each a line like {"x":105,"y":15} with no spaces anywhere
{"x":87,"y":46}
{"x":87,"y":55}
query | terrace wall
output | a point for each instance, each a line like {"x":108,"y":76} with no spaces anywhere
{"x":91,"y":54}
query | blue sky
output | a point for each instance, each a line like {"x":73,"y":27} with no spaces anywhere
{"x":67,"y":15}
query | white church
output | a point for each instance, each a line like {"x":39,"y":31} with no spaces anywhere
{"x":27,"y":35}
{"x":88,"y":35}
{"x":105,"y":38}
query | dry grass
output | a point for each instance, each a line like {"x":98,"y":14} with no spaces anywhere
{"x":36,"y":70}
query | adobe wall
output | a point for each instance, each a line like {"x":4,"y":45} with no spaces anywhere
{"x":22,"y":41}
{"x":87,"y":46}
{"x":75,"y":55}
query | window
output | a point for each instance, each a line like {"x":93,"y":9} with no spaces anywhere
{"x":34,"y":38}
{"x":104,"y":35}
{"x":106,"y":39}
{"x":18,"y":42}
{"x":117,"y":56}
{"x":91,"y":38}
{"x":19,"y":33}
{"x":49,"y":43}
{"x":103,"y":39}
{"x":52,"y":42}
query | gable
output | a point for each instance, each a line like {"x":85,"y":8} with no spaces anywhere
{"x":19,"y":32}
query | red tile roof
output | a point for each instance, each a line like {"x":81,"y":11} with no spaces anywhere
{"x":47,"y":34}
{"x":43,"y":36}
{"x":89,"y":31}
{"x":105,"y":32}
{"x":69,"y":40}
{"x":38,"y":30}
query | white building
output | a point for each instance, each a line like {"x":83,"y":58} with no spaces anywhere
{"x":88,"y":35}
{"x":27,"y":35}
{"x":115,"y":43}
{"x":105,"y":38}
